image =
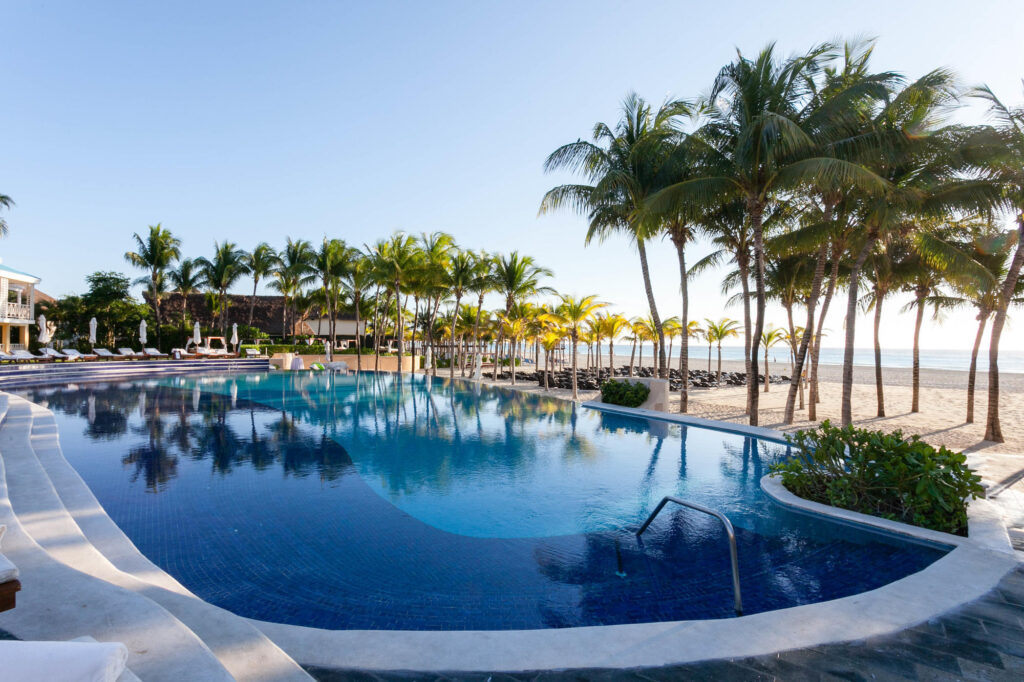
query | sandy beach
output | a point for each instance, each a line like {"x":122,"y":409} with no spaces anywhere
{"x":941,"y":420}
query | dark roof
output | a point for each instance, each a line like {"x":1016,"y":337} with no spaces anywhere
{"x":267,"y":313}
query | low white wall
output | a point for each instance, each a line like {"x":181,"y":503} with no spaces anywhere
{"x":658,"y":399}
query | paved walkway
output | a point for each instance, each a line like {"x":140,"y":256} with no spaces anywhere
{"x":983,"y":640}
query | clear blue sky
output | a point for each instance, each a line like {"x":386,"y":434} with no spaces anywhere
{"x":251,"y":121}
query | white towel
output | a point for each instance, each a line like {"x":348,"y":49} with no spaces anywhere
{"x":62,"y":661}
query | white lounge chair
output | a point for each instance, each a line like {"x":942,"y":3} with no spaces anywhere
{"x":79,"y":659}
{"x":75,"y":355}
{"x":53,"y":353}
{"x":153,"y":353}
{"x":23,"y":355}
{"x":252,"y":353}
{"x":129,"y":353}
{"x":106,"y":354}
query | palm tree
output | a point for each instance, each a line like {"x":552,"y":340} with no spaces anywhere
{"x":770,"y":337}
{"x":221,"y":273}
{"x":155,"y":253}
{"x":624,"y":165}
{"x":755,"y":146}
{"x":5,"y":202}
{"x":717,"y":332}
{"x":396,"y":260}
{"x":357,"y":276}
{"x":613,"y":326}
{"x":572,"y":313}
{"x":550,"y":341}
{"x":461,"y":274}
{"x":435,"y":251}
{"x":327,"y":266}
{"x":186,"y":280}
{"x":261,"y":263}
{"x":294,"y":272}
{"x":1001,"y":158}
{"x":517,"y":278}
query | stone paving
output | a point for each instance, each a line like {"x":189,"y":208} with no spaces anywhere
{"x":983,"y":640}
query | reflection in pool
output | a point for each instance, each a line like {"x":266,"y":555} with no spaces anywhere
{"x":373,"y":503}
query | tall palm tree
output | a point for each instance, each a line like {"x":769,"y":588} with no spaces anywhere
{"x":624,"y":166}
{"x":991,"y":248}
{"x":572,"y":313}
{"x":720,"y":331}
{"x":293,"y":273}
{"x":517,"y":278}
{"x":550,"y":342}
{"x":483,"y":283}
{"x":396,"y":259}
{"x":358,"y":278}
{"x":261,"y":263}
{"x":186,"y":280}
{"x":155,"y":254}
{"x":436,"y":250}
{"x":328,"y":264}
{"x":756,"y":145}
{"x":461,"y":274}
{"x":221,"y":272}
{"x":612,"y":327}
{"x":1001,"y":160}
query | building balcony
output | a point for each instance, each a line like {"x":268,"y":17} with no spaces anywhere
{"x":16,"y":311}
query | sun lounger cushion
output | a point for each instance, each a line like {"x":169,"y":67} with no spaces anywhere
{"x":128,"y":353}
{"x":154,"y":353}
{"x":33,"y":661}
{"x":104,"y":353}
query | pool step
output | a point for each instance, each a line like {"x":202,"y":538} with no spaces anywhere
{"x":245,"y":651}
{"x":63,"y":598}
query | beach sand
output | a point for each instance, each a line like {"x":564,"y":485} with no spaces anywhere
{"x":941,"y":420}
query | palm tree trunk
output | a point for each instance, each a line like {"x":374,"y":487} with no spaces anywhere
{"x":662,"y":369}
{"x":747,"y":331}
{"x":851,"y":328}
{"x":632,"y":357}
{"x":575,"y":343}
{"x":879,"y":386}
{"x":973,"y":372}
{"x":759,"y":293}
{"x":458,"y":300}
{"x":684,"y":343}
{"x":800,"y":352}
{"x":611,"y":357}
{"x":252,"y":299}
{"x":359,"y":338}
{"x":766,"y":377}
{"x":993,"y":430}
{"x":640,"y":360}
{"x":547,"y":364}
{"x":399,"y":325}
{"x":719,"y":379}
{"x":709,"y":357}
{"x":814,"y":397}
{"x":916,"y":372}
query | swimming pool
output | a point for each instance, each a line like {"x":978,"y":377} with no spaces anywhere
{"x":372,"y":503}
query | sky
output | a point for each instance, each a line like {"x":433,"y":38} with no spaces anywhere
{"x":253,"y":121}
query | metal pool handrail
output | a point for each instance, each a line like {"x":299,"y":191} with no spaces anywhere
{"x":728,"y":531}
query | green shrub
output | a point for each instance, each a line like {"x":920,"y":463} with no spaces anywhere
{"x":883,"y":474}
{"x":625,"y":393}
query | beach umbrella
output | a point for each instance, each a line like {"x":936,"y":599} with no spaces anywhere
{"x":142,"y":332}
{"x":478,"y":366}
{"x":234,"y":335}
{"x":197,"y":338}
{"x":92,"y":332}
{"x":44,"y":333}
{"x":428,"y":359}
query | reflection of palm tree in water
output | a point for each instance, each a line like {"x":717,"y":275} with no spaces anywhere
{"x":152,"y":461}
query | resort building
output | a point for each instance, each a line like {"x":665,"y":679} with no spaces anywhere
{"x":17,"y":307}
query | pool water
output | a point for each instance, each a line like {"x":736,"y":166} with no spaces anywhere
{"x":371,"y":502}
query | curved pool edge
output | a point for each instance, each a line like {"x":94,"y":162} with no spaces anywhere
{"x":969,"y":571}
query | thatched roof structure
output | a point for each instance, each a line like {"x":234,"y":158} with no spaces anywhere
{"x":267,"y":316}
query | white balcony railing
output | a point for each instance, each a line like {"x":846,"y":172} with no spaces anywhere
{"x":19,"y":311}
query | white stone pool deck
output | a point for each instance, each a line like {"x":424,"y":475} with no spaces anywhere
{"x":82,"y":576}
